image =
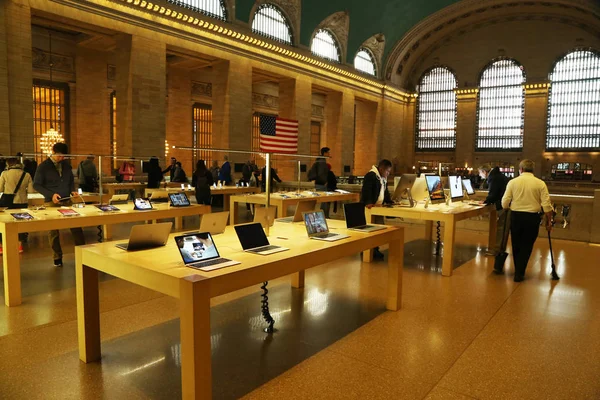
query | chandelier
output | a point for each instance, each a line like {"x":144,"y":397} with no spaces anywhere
{"x":49,"y":139}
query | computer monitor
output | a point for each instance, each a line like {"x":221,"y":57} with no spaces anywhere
{"x":406,"y":182}
{"x":468,"y":186}
{"x":456,"y":187}
{"x":419,"y":189}
{"x":435,"y":188}
{"x":196,"y":247}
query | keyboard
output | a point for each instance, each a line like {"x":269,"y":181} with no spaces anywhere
{"x":264,"y":248}
{"x":208,"y":263}
{"x":327,"y":235}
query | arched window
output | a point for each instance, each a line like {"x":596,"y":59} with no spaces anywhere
{"x":365,"y":62}
{"x":212,"y":8}
{"x":269,"y":21}
{"x":324,"y":45}
{"x":500,"y":115}
{"x":436,"y":111}
{"x":574,"y":103}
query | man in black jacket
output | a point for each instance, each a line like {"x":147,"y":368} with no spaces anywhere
{"x":374,"y":191}
{"x":54,"y":180}
{"x":318,"y":173}
{"x":496,"y":183}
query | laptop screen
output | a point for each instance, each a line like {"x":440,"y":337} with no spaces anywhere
{"x":315,"y":222}
{"x":435,"y":188}
{"x":355,"y":215}
{"x":196,"y":247}
{"x":456,"y":188}
{"x":179,"y":199}
{"x":468,"y":186}
{"x":142,"y":204}
{"x":251,"y":235}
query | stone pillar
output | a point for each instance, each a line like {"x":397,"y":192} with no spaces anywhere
{"x":367,"y":136}
{"x":232,"y":108}
{"x":295,"y":102}
{"x":141,"y":88}
{"x":534,"y":138}
{"x":4,"y":104}
{"x":347,"y":133}
{"x":19,"y":76}
{"x":179,"y":117}
{"x":339,"y":133}
{"x":465,"y":129}
{"x":396,"y":141}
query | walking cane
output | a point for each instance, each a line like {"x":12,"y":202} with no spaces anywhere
{"x":555,"y":276}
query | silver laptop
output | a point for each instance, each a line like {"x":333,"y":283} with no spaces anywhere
{"x":199,"y":251}
{"x":264,"y":215}
{"x":316,"y":227}
{"x":214,"y":223}
{"x":147,"y":236}
{"x":356,"y":220}
{"x":253,"y":239}
{"x":301,"y":208}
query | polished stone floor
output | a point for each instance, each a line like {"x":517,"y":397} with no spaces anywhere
{"x":473,"y":335}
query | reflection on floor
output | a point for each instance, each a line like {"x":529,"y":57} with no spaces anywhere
{"x":474,"y":335}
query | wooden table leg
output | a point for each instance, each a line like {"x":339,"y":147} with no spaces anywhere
{"x":367,"y":255}
{"x":178,"y":223}
{"x":233,"y":211}
{"x":298,"y":279}
{"x":449,"y":234}
{"x":492,"y":227}
{"x":12,"y":266}
{"x":107,"y":232}
{"x":395,"y":268}
{"x":281,"y":209}
{"x":226,"y":202}
{"x":428,"y":230}
{"x":196,"y":378}
{"x":88,"y":310}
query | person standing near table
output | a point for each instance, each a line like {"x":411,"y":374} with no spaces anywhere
{"x":225,"y":172}
{"x":54,"y":180}
{"x":374,"y":191}
{"x":202,"y":180}
{"x":496,"y":183}
{"x":526,"y":196}
{"x":318,"y":172}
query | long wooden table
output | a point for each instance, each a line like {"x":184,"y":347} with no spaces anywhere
{"x":226,"y":191}
{"x":112,"y":188}
{"x":448,"y":215}
{"x":162,"y":270}
{"x":50,"y":219}
{"x":36,"y":199}
{"x":282,"y":203}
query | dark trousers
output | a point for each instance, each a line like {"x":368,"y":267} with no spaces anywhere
{"x":524,"y":231}
{"x":324,"y":206}
{"x":54,"y":238}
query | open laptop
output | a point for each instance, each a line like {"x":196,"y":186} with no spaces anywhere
{"x":214,"y":223}
{"x":456,"y":187}
{"x":253,"y":239}
{"x":142,"y":204}
{"x":264,"y":215}
{"x":147,"y":236}
{"x":435,"y":189}
{"x":119,"y":199}
{"x":179,"y":199}
{"x":199,"y":251}
{"x":316,"y":227}
{"x":159,"y":196}
{"x":301,"y":208}
{"x":356,"y":220}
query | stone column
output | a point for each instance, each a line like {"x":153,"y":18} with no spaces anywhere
{"x":465,"y":128}
{"x":179,"y":116}
{"x":141,"y":88}
{"x":366,"y":136}
{"x":18,"y":75}
{"x":534,"y":138}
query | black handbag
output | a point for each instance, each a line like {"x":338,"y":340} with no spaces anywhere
{"x":7,"y":199}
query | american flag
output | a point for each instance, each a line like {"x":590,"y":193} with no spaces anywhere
{"x":278,"y":135}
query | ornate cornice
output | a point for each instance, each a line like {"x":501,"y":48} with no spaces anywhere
{"x":203,"y":89}
{"x":41,"y":59}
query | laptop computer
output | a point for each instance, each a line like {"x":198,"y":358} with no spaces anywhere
{"x":264,"y":215}
{"x":214,"y":223}
{"x":179,"y":199}
{"x":316,"y":227}
{"x":147,"y":236}
{"x":198,"y":250}
{"x":301,"y":208}
{"x":142,"y":204}
{"x":119,"y":199}
{"x":253,"y":239}
{"x":435,"y":189}
{"x":356,"y":220}
{"x":159,"y":196}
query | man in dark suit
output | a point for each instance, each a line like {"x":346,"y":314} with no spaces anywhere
{"x":375,"y":193}
{"x":496,"y":183}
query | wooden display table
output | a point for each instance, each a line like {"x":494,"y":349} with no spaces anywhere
{"x":112,"y":188}
{"x":36,"y":199}
{"x":50,"y":218}
{"x":226,"y":191}
{"x":448,"y":215}
{"x":282,"y":203}
{"x":162,"y":270}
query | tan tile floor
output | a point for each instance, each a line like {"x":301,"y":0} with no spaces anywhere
{"x":474,"y":335}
